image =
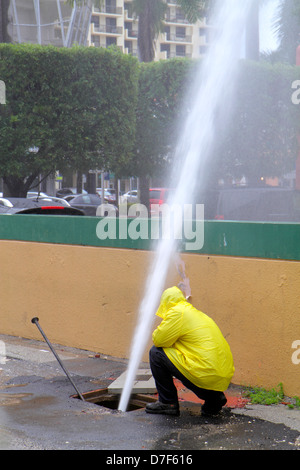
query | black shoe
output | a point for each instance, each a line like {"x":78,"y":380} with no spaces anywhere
{"x":214,"y":410}
{"x":161,"y":408}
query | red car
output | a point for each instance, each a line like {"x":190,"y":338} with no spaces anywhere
{"x":158,"y":196}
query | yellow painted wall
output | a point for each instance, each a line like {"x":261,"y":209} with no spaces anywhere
{"x":88,"y":297}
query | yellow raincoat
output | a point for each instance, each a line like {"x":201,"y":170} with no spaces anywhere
{"x":193,"y":342}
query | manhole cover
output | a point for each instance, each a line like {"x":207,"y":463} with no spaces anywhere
{"x":103,"y":397}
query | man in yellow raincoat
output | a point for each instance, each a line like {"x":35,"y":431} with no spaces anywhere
{"x":188,"y":345}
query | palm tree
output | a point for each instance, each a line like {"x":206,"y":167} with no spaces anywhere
{"x":287,"y":26}
{"x":151,"y":14}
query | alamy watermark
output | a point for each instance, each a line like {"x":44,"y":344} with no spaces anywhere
{"x":2,"y":353}
{"x":167,"y":222}
{"x":2,"y":92}
{"x":296,"y":353}
{"x":296,"y":94}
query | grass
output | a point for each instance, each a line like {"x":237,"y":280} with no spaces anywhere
{"x":296,"y":404}
{"x":261,"y":396}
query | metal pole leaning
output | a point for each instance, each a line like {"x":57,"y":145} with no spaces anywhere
{"x":35,"y":320}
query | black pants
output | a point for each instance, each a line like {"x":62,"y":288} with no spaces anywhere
{"x":163,"y":371}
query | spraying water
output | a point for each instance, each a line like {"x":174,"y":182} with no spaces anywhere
{"x":212,"y":95}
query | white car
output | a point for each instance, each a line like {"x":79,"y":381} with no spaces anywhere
{"x":5,"y":202}
{"x":32,"y":194}
{"x":130,"y":197}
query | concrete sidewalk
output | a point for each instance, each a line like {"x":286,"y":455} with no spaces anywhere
{"x":38,"y":410}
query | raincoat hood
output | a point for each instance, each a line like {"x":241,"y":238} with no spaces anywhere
{"x":169,"y":299}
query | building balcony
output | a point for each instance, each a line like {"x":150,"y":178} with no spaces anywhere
{"x":109,"y":10}
{"x":107,"y":29}
{"x":172,"y":55}
{"x":131,"y":34}
{"x":132,"y":51}
{"x":181,"y":39}
{"x":176,"y":19}
{"x":128,"y":15}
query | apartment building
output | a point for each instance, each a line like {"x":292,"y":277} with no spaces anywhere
{"x":47,"y":22}
{"x":115,"y":23}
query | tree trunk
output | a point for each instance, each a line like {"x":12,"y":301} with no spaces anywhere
{"x":4,"y":5}
{"x":146,"y":35}
{"x":14,"y":187}
{"x":18,"y":187}
{"x":144,"y":191}
{"x":79,"y":182}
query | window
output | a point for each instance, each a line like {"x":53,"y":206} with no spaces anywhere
{"x":111,"y":25}
{"x":95,"y":20}
{"x":111,"y":41}
{"x":128,"y":7}
{"x":95,"y":40}
{"x":180,"y":50}
{"x":167,"y":31}
{"x":165,"y":47}
{"x":128,"y":45}
{"x":180,"y":32}
{"x":111,"y":6}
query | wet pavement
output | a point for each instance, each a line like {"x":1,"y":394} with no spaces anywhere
{"x":39,"y":410}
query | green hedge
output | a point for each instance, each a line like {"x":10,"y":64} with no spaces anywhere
{"x":90,"y":108}
{"x":77,"y":106}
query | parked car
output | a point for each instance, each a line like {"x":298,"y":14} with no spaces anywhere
{"x":50,"y":199}
{"x":88,"y":203}
{"x":112,"y":196}
{"x":32,"y":206}
{"x":68,"y":191}
{"x":131,"y":197}
{"x":5,"y":202}
{"x":36,"y":193}
{"x":69,"y":197}
{"x":158,"y":196}
{"x":109,"y":195}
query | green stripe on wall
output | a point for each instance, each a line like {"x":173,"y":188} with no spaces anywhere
{"x":245,"y":239}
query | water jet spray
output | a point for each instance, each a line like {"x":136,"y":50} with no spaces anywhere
{"x":184,"y":284}
{"x":212,"y":95}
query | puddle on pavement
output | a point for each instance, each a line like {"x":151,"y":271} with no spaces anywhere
{"x":12,"y":398}
{"x":105,"y":398}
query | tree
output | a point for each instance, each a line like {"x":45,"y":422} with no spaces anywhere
{"x":151,"y":14}
{"x":287,"y":27}
{"x":262,"y":139}
{"x":162,"y":90}
{"x":64,"y":109}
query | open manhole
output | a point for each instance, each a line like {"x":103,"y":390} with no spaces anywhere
{"x":104,"y":397}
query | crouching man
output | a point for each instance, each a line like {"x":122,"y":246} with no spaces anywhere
{"x":188,"y":345}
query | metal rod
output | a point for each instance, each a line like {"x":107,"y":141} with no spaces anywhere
{"x":36,"y":321}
